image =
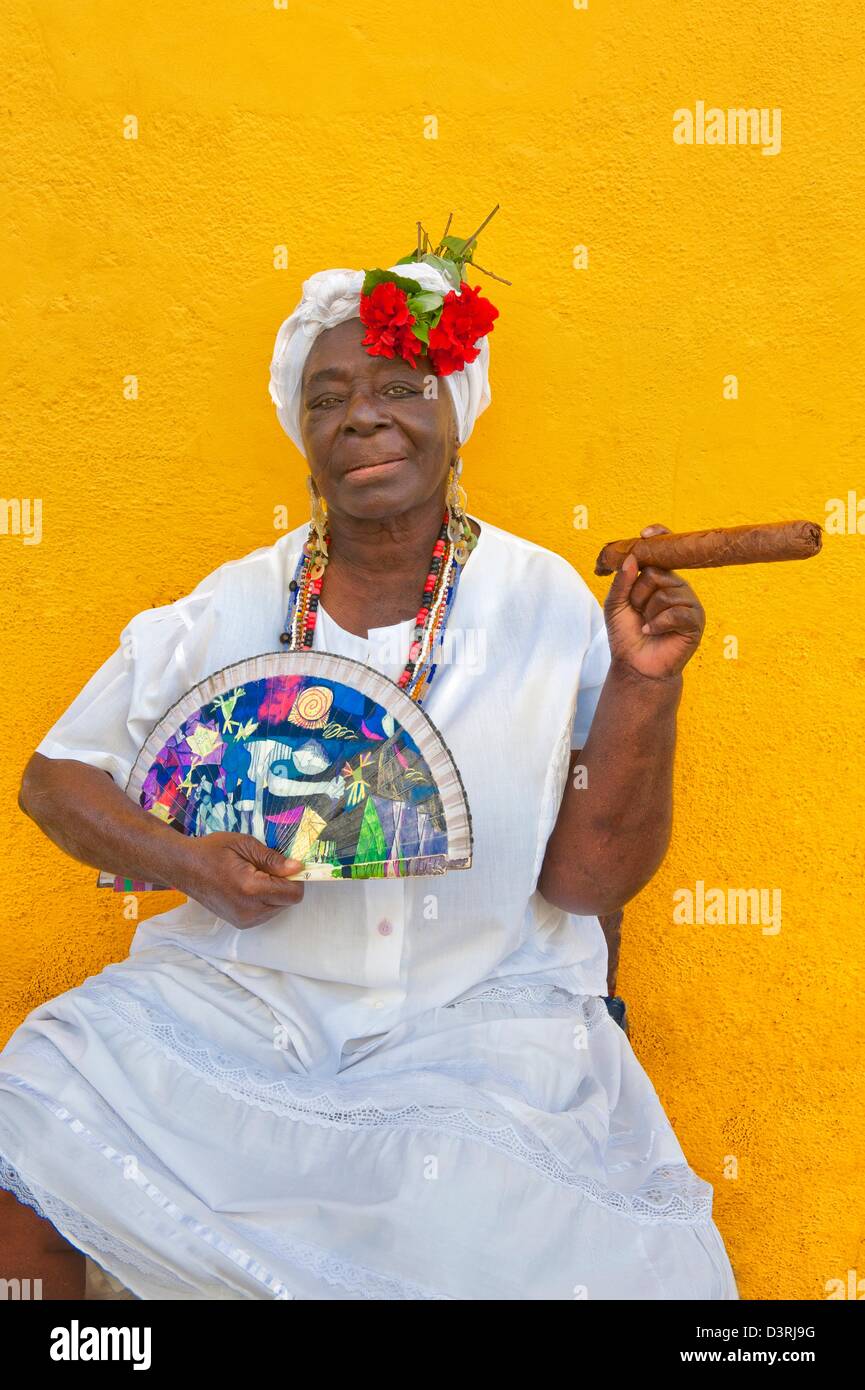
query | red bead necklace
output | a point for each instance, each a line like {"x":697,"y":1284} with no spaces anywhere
{"x":437,"y":599}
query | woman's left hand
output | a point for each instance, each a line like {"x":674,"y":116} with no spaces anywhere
{"x":654,"y":619}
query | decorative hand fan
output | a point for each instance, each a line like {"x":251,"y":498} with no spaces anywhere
{"x":318,"y":756}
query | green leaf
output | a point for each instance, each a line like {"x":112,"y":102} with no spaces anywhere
{"x":421,"y":330}
{"x":379,"y":277}
{"x":448,"y":268}
{"x":455,"y":244}
{"x":425,"y":302}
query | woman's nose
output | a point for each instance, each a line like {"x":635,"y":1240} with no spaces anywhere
{"x":365,"y":411}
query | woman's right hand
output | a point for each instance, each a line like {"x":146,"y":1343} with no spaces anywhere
{"x":238,"y":878}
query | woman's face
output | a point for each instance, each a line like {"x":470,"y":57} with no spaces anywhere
{"x":375,"y":444}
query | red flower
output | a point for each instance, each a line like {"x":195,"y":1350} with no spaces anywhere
{"x":408,"y":346}
{"x":465,"y":319}
{"x":388,"y":321}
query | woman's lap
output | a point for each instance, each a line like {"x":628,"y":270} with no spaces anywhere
{"x":507,"y":1146}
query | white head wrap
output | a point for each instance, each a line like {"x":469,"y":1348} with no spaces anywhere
{"x":332,"y":296}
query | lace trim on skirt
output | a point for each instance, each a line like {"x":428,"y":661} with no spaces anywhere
{"x":673,"y":1192}
{"x":93,"y":1240}
{"x":85,"y":1233}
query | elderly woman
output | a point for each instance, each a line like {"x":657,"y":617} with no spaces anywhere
{"x":398,"y":1087}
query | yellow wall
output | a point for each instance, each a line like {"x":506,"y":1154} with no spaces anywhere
{"x":304,"y":126}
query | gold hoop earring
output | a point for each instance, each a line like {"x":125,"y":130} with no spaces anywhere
{"x":316,"y":545}
{"x":460,"y":532}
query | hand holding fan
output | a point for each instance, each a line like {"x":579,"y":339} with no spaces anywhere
{"x":318,"y":756}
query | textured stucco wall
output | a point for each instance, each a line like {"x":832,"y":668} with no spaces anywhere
{"x":304,"y":127}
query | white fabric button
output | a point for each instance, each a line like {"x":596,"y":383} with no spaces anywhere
{"x":385,"y":927}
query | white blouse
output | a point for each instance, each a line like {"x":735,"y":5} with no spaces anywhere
{"x":361,"y":956}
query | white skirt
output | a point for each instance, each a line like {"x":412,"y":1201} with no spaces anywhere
{"x":506,"y":1146}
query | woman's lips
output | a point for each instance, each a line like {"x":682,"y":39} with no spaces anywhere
{"x":369,"y":469}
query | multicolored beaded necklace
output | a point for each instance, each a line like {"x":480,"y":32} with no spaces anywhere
{"x":439,"y":592}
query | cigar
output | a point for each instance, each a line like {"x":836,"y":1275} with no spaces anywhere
{"x":724,"y":545}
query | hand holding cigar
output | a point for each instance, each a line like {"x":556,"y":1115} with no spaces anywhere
{"x":723,"y":545}
{"x":654,"y":619}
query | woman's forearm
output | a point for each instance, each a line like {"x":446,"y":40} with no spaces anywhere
{"x":86,"y":814}
{"x":614,"y":823}
{"x":243,"y":882}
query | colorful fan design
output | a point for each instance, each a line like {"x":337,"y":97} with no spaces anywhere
{"x":316,"y":755}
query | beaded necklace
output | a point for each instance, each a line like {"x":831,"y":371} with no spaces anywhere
{"x":439,"y":592}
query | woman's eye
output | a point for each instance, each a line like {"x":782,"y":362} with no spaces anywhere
{"x":400,"y":389}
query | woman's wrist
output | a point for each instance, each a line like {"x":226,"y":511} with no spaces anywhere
{"x":155,"y":853}
{"x":625,"y":675}
{"x":178,"y":861}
